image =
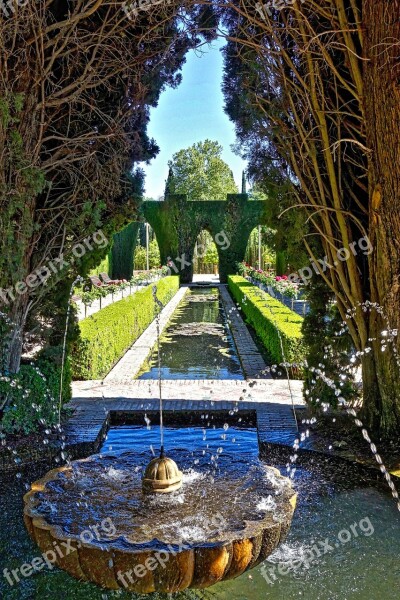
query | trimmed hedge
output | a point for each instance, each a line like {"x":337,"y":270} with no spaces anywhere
{"x":268,"y":316}
{"x":178,"y":221}
{"x":108,"y":334}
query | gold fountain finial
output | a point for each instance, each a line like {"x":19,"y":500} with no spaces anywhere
{"x":162,"y":475}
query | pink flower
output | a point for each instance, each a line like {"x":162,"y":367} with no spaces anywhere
{"x":278,"y":278}
{"x":284,"y":277}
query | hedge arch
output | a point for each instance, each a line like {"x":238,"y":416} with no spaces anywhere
{"x":121,"y":254}
{"x":178,"y":221}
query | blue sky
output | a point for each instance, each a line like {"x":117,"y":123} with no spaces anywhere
{"x":191,"y":113}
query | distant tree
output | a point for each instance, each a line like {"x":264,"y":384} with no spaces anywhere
{"x":200,"y":172}
{"x":169,"y":183}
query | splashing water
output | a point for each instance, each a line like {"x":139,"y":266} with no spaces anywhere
{"x":64,"y":350}
{"x":389,"y":336}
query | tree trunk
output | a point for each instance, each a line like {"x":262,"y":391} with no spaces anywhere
{"x":18,"y":316}
{"x":382,"y":117}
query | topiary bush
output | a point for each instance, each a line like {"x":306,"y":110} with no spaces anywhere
{"x":177,"y":222}
{"x":269,"y":317}
{"x":108,"y":334}
{"x":123,"y":248}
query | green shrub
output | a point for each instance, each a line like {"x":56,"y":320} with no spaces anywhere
{"x":108,"y":334}
{"x":268,"y":316}
{"x":32,"y":395}
{"x":139,"y":257}
{"x":30,"y":403}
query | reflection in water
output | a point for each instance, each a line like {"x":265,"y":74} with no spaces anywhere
{"x":197,"y":343}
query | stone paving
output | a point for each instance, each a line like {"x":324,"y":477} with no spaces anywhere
{"x":273,"y":400}
{"x":252,"y":362}
{"x":90,"y":415}
{"x":232,"y":390}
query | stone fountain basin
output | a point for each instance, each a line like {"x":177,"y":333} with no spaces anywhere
{"x":143,"y":565}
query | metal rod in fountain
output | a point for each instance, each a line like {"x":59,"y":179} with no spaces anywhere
{"x":77,"y":280}
{"x":160,"y":306}
{"x":162,"y":474}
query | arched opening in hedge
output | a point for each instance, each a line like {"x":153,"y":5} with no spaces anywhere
{"x":205,"y":254}
{"x":259,"y":251}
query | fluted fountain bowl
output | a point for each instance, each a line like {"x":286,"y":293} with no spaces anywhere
{"x":92,"y":519}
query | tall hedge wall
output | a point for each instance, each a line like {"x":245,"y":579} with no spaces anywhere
{"x":108,"y":334}
{"x":268,"y":316}
{"x":123,"y":248}
{"x":178,"y":221}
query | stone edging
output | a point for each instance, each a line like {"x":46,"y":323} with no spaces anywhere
{"x":130,"y":364}
{"x":253,"y":364}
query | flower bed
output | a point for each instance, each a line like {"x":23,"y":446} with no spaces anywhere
{"x":139,"y":278}
{"x":277,"y":326}
{"x":280,"y":284}
{"x":107,"y":335}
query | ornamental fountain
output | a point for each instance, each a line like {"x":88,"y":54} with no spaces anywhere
{"x":172,"y":529}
